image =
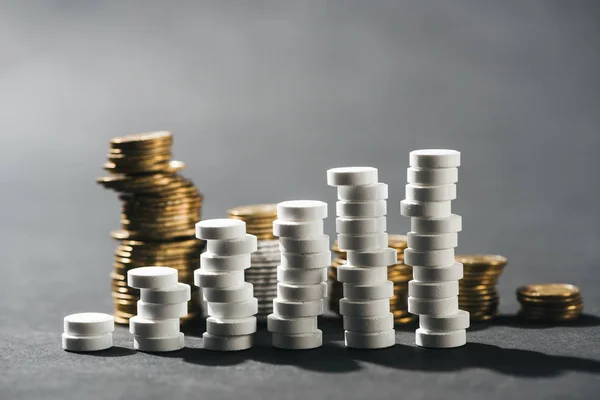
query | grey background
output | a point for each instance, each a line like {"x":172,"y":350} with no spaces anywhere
{"x":263,"y":97}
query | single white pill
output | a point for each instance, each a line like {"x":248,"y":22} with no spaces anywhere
{"x":152,"y":277}
{"x":233,"y":294}
{"x":361,"y":275}
{"x":87,"y":343}
{"x":221,"y":229}
{"x":297,"y":229}
{"x":231,"y":327}
{"x":436,"y":209}
{"x":213,"y":262}
{"x":227,"y":343}
{"x":432,"y":176}
{"x":371,"y":241}
{"x":211,"y":279}
{"x":317,"y":244}
{"x":302,"y":276}
{"x":153,"y":328}
{"x":371,"y":340}
{"x":299,"y":341}
{"x":376,"y":191}
{"x":291,"y":292}
{"x":360,"y":226}
{"x":352,"y":176}
{"x":279,"y":324}
{"x":430,"y":193}
{"x":454,"y":322}
{"x":88,"y":324}
{"x":297,"y":309}
{"x":301,"y":210}
{"x":380,"y":291}
{"x":158,"y":345}
{"x":378,"y":323}
{"x":180,"y":293}
{"x":434,"y":226}
{"x":369,"y":258}
{"x":161,"y":311}
{"x":306,"y":261}
{"x":370,"y":308}
{"x":446,"y":273}
{"x":361,"y":209}
{"x":441,"y":340}
{"x":431,"y":258}
{"x":233,"y":247}
{"x":432,"y":290}
{"x":440,"y":241}
{"x":434,"y":158}
{"x":233,"y":310}
{"x":433,"y":307}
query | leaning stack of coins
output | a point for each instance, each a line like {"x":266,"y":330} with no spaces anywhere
{"x":399,"y":273}
{"x":159,"y":211}
{"x":263,"y":272}
{"x":550,"y":302}
{"x":477,"y":289}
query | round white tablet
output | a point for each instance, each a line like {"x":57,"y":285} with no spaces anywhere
{"x":374,"y":340}
{"x":437,"y":209}
{"x":432,"y":290}
{"x":234,"y":294}
{"x":370,"y":308}
{"x":371,"y":241}
{"x":299,"y":341}
{"x":227,"y":343}
{"x":432,"y":176}
{"x":360,"y":226}
{"x":318,"y":244}
{"x":379,"y":291}
{"x":454,"y":322}
{"x":302,"y":210}
{"x":361,"y":209}
{"x":446,"y":273}
{"x":210,"y":279}
{"x":433,"y":226}
{"x":291,"y":292}
{"x":152,"y":277}
{"x":297,"y":309}
{"x":213,"y":262}
{"x":302,"y":276}
{"x":298,"y":229}
{"x":221,"y":229}
{"x":352,"y":176}
{"x":233,"y":310}
{"x":378,"y":323}
{"x":306,"y":261}
{"x":89,"y":324}
{"x":434,"y":158}
{"x":233,"y":247}
{"x":430,"y":193}
{"x":441,"y":340}
{"x":440,"y":241}
{"x":180,"y":293}
{"x":376,"y":191}
{"x":161,"y":311}
{"x":368,"y":258}
{"x":360,"y":275}
{"x":158,"y":345}
{"x":153,"y":328}
{"x":279,"y":324}
{"x":433,"y":307}
{"x":87,"y":343}
{"x":431,"y":258}
{"x":231,"y":327}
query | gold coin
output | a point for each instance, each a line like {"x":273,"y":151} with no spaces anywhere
{"x":251,"y":210}
{"x":482,"y":260}
{"x":549,"y":291}
{"x":405,"y":320}
{"x":137,"y":140}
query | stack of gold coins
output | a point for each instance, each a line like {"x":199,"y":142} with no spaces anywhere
{"x":263,"y":272}
{"x":477,"y":289}
{"x":399,"y":273}
{"x":159,"y":210}
{"x":550,"y":302}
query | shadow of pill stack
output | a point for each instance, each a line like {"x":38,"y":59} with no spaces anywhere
{"x":550,"y":302}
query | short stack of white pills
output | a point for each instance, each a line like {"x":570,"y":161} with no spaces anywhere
{"x":433,"y":294}
{"x":230,"y":299}
{"x":302,"y":274}
{"x":85,"y":332}
{"x":361,"y":228}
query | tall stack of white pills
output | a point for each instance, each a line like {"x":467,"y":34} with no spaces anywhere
{"x":231,"y":304}
{"x":163,"y":301}
{"x":302,"y":274}
{"x":433,"y":294}
{"x":85,"y":332}
{"x":361,"y":226}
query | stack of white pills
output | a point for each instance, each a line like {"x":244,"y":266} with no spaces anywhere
{"x":302,"y":275}
{"x":433,"y":294}
{"x":163,"y":301}
{"x":361,"y":228}
{"x":230,"y":299}
{"x":85,"y":332}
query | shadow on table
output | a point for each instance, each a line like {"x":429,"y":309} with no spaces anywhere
{"x":115,"y":351}
{"x":514,"y":321}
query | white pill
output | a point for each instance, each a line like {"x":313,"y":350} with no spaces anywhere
{"x":180,"y":293}
{"x":376,"y":191}
{"x":221,"y":229}
{"x":369,"y":258}
{"x":233,"y":247}
{"x":361,"y":275}
{"x":88,"y":324}
{"x":231,"y":327}
{"x":380,"y":291}
{"x":279,"y":324}
{"x":317,"y":244}
{"x":301,"y":276}
{"x":158,"y":345}
{"x":432,"y":258}
{"x":291,"y":292}
{"x":235,"y":294}
{"x":233,"y":310}
{"x":306,"y":261}
{"x":378,"y":323}
{"x":432,"y":176}
{"x":361,"y":209}
{"x":433,"y":226}
{"x":430,"y":193}
{"x":153,"y":328}
{"x":360,"y":226}
{"x":301,"y":210}
{"x":370,"y":308}
{"x":373,"y":340}
{"x":299,"y":341}
{"x":432,"y":290}
{"x":446,"y":273}
{"x":371,"y":241}
{"x":454,"y":322}
{"x":437,"y":209}
{"x":213,"y":262}
{"x":87,"y":343}
{"x":297,"y":229}
{"x":434,"y":158}
{"x":227,"y":343}
{"x":152,"y":277}
{"x":352,"y":176}
{"x":441,"y":340}
{"x":211,"y":279}
{"x":297,"y":309}
{"x":161,"y":311}
{"x":433,"y":307}
{"x":440,"y":241}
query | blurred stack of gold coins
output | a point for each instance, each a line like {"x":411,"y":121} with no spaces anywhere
{"x":159,"y":211}
{"x":550,"y":302}
{"x":399,"y":273}
{"x":263,"y":272}
{"x":477,"y":289}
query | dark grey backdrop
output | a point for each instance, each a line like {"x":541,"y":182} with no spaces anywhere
{"x":263,"y":97}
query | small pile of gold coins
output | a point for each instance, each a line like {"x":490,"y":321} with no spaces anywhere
{"x":550,"y":302}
